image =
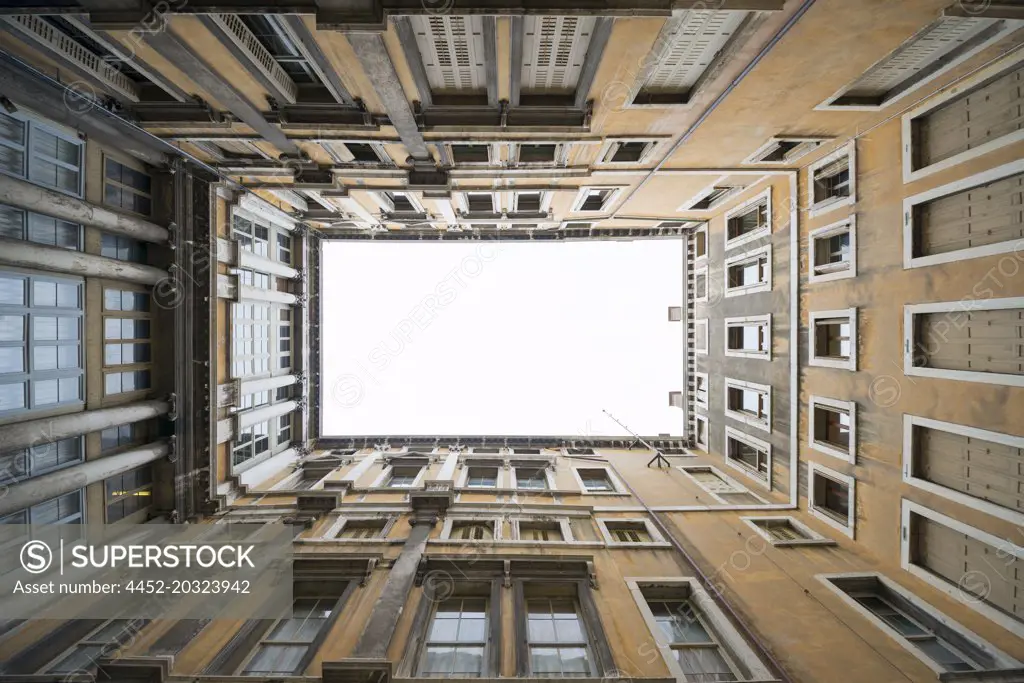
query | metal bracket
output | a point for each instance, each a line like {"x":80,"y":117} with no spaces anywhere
{"x":592,"y":574}
{"x":172,"y":414}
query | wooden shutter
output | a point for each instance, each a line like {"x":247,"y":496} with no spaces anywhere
{"x":990,"y":574}
{"x":983,"y":469}
{"x":554,"y":49}
{"x":979,"y":341}
{"x":987,"y":214}
{"x":699,"y":35}
{"x":985,"y":114}
{"x":452,"y":48}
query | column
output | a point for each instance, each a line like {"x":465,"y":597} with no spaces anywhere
{"x":362,"y":468}
{"x":447,"y":472}
{"x":48,"y":486}
{"x":51,"y":429}
{"x":251,"y":386}
{"x":250,"y":293}
{"x":58,"y":260}
{"x":251,"y":417}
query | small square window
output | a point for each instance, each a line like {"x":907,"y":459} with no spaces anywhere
{"x":628,"y":532}
{"x":749,"y":273}
{"x":834,"y":251}
{"x":786,"y":531}
{"x":403,"y":477}
{"x":595,"y":480}
{"x":594,"y":198}
{"x":749,"y":222}
{"x":471,"y":530}
{"x":542,"y":532}
{"x":749,"y":455}
{"x":628,"y":152}
{"x":748,"y":337}
{"x":537,"y":153}
{"x":832,"y":425}
{"x":400,"y":202}
{"x":480,"y":202}
{"x":362,"y":152}
{"x":482,"y":477}
{"x":831,"y":497}
{"x":362,"y":529}
{"x":834,"y":339}
{"x":832,"y":181}
{"x":531,"y":479}
{"x":471,"y":154}
{"x":700,"y":285}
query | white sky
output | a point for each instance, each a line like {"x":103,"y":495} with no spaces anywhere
{"x":501,"y":338}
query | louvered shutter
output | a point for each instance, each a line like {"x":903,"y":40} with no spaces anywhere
{"x":697,"y":38}
{"x":982,"y":469}
{"x":920,"y":53}
{"x":989,"y":574}
{"x":972,"y":120}
{"x":452,"y":48}
{"x":988,"y":214}
{"x":979,"y":341}
{"x":553,"y":51}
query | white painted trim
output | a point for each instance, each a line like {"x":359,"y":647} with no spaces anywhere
{"x":736,"y":485}
{"x":655,"y":145}
{"x":549,"y":477}
{"x":988,"y":176}
{"x":965,"y":305}
{"x":737,"y":435}
{"x":828,"y":105}
{"x":760,"y":198}
{"x":772,"y":142}
{"x":701,"y":270}
{"x":850,"y":314}
{"x":701,"y":338}
{"x":960,"y":90}
{"x":814,"y":468}
{"x":953,"y":590}
{"x":608,"y":205}
{"x":382,"y":480}
{"x":256,"y":206}
{"x":1005,"y":661}
{"x":764,"y":425}
{"x":847,"y":224}
{"x":742,"y":322}
{"x":733,"y":190}
{"x":911,"y":421}
{"x":707,"y":435}
{"x":733,"y":647}
{"x":466,"y":465}
{"x":698,"y":260}
{"x":820,"y":446}
{"x":825,"y":206}
{"x":617,"y":487}
{"x":652,"y":531}
{"x":812,"y":536}
{"x":702,"y":405}
{"x":763,"y":286}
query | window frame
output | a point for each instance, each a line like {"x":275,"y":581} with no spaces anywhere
{"x":562,"y":150}
{"x":815,"y":360}
{"x":549,"y":478}
{"x":387,"y":205}
{"x":752,"y":441}
{"x":850,"y":407}
{"x":975,"y":180}
{"x":383,"y":158}
{"x":737,"y":486}
{"x":493,"y":153}
{"x":462,"y":197}
{"x":811,"y":537}
{"x":599,"y":656}
{"x":849,"y":528}
{"x":848,"y":224}
{"x":815,"y":209}
{"x":384,"y":478}
{"x":764,"y":197}
{"x":562,"y":522}
{"x":764,"y":425}
{"x":657,"y":540}
{"x":910,"y":450}
{"x":700,"y":338}
{"x":966,"y":305}
{"x":333,"y":531}
{"x":133,"y":166}
{"x":32,"y":121}
{"x":26,"y":219}
{"x":617,"y":488}
{"x":611,"y":146}
{"x":451,"y":520}
{"x":107,"y":502}
{"x":728,"y":192}
{"x":545,"y":201}
{"x":465,"y":475}
{"x":700,"y":258}
{"x":30,"y":472}
{"x":759,"y":320}
{"x":697,"y":402}
{"x":584,"y":192}
{"x":336,"y":604}
{"x":697,"y":272}
{"x":764,"y":285}
{"x":805,"y":143}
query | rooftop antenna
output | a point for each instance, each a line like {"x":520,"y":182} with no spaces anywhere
{"x":658,"y":457}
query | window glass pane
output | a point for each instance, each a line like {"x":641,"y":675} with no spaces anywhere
{"x":704,"y":664}
{"x":276,"y":659}
{"x":12,"y":396}
{"x":12,"y":359}
{"x":46,"y":392}
{"x":44,"y":293}
{"x":12,"y":291}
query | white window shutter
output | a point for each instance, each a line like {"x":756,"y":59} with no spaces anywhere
{"x":452,"y":48}
{"x":553,"y":51}
{"x":698,"y":37}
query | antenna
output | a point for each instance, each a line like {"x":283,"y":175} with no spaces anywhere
{"x":658,"y":457}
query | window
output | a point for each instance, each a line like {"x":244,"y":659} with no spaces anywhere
{"x":399,"y":202}
{"x":480,"y":202}
{"x":700,"y":435}
{"x":529,"y":202}
{"x":282,"y":650}
{"x":931,"y":636}
{"x":542,"y":153}
{"x":128,"y":493}
{"x":700,"y":285}
{"x":700,"y":336}
{"x":749,"y":403}
{"x":749,"y":273}
{"x":710,"y":198}
{"x":784,"y":150}
{"x":40,"y":342}
{"x":126,"y":188}
{"x":934,"y":135}
{"x":471,"y":154}
{"x":284,"y":247}
{"x":749,"y":337}
{"x":364,"y":153}
{"x":252,"y":278}
{"x":33,"y":227}
{"x":101,"y":641}
{"x":482,"y":477}
{"x":940,"y":340}
{"x":457,"y":638}
{"x":254,"y":400}
{"x":786,"y":531}
{"x":531,"y":479}
{"x":124,"y":300}
{"x":627,"y":151}
{"x":975,"y":467}
{"x":116,"y":437}
{"x":981,"y":570}
{"x":594,"y":199}
{"x":831,"y":497}
{"x":628,"y":531}
{"x":250,"y":443}
{"x":403,"y":477}
{"x":834,"y":339}
{"x":251,"y":235}
{"x":749,"y":221}
{"x":966,"y":219}
{"x":66,"y":509}
{"x":126,"y":382}
{"x":699,"y":655}
{"x":722,"y":488}
{"x":284,"y":429}
{"x":749,"y":455}
{"x":832,"y":427}
{"x":928,"y":54}
{"x":556,"y":638}
{"x":834,"y":251}
{"x":595,"y":480}
{"x":541,"y":532}
{"x":700,"y":242}
{"x":122,"y":248}
{"x":832,"y":181}
{"x":470,"y":530}
{"x":40,"y":153}
{"x":452,"y":49}
{"x":356,"y":529}
{"x":250,"y":339}
{"x":276,"y":40}
{"x":284,"y":338}
{"x":25,"y":463}
{"x":700,"y":389}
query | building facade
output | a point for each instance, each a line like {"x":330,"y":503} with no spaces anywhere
{"x":844,"y":179}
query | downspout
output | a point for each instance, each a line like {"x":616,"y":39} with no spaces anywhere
{"x":706,"y":582}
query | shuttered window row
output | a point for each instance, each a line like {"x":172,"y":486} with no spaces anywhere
{"x":554,"y":49}
{"x":978,"y":341}
{"x":975,"y":217}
